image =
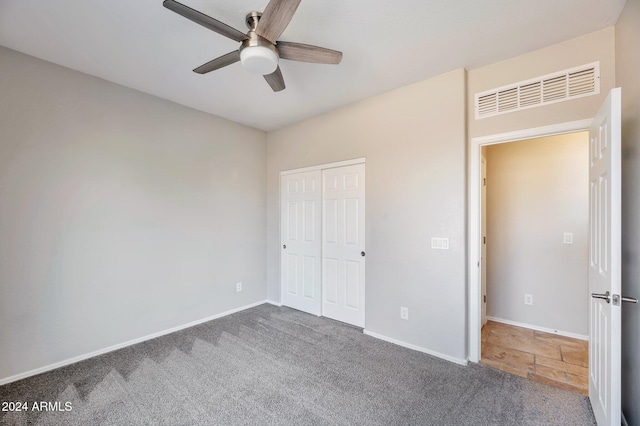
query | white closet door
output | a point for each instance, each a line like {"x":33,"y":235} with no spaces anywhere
{"x":300,"y":250}
{"x":343,"y":245}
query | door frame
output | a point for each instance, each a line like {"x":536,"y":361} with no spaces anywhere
{"x":361,"y":160}
{"x":474,"y":219}
{"x":320,"y":167}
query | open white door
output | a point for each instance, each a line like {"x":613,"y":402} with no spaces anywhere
{"x":605,"y":262}
{"x":300,"y":252}
{"x":483,"y":230}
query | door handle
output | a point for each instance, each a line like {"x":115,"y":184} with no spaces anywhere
{"x":616,"y":298}
{"x":604,"y":296}
{"x":363,"y":254}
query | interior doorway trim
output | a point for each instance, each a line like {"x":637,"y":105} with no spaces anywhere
{"x":474,"y":194}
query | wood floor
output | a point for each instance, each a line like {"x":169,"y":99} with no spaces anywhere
{"x":543,"y":357}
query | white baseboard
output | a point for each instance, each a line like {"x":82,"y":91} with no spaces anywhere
{"x":271,"y":302}
{"x":416,"y":348}
{"x":537,"y":328}
{"x":79,"y":358}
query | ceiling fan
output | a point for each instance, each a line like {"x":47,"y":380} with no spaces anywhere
{"x":260,"y":49}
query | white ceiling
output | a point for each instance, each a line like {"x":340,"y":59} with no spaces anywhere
{"x":386,"y":44}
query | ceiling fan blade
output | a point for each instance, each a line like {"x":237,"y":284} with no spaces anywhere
{"x":275,"y":80}
{"x":275,"y":18}
{"x":205,"y":20}
{"x":307,"y":53}
{"x":222,"y":61}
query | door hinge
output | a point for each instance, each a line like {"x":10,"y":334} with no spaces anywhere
{"x":484,"y":240}
{"x":485,"y":298}
{"x":484,"y":181}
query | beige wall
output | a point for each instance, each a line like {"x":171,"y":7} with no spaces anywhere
{"x":121,"y":214}
{"x":413,"y":139}
{"x":537,"y":190}
{"x":628,"y":77}
{"x":597,"y":46}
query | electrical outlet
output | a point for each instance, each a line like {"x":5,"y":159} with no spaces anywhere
{"x":528,"y":299}
{"x":568,"y":238}
{"x":238,"y":287}
{"x":404,"y":313}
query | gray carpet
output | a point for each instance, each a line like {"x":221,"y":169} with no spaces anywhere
{"x":270,"y":365}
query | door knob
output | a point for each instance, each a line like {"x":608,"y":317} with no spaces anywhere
{"x":284,"y":246}
{"x":362,"y":253}
{"x":629,"y":299}
{"x":604,"y":296}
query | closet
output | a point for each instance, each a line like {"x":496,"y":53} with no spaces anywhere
{"x":323,"y":240}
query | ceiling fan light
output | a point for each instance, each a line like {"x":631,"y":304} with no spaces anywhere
{"x":259,"y":60}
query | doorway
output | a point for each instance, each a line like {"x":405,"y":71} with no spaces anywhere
{"x":535,"y":227}
{"x":604,"y":248}
{"x":475,"y":217}
{"x":322,"y":219}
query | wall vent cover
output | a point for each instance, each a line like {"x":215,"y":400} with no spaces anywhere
{"x":551,"y":88}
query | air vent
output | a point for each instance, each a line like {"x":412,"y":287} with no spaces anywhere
{"x":557,"y":87}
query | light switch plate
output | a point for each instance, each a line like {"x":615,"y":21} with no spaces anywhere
{"x":438,"y":243}
{"x":568,"y":238}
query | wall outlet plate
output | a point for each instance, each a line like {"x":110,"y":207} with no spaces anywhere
{"x":238,"y":287}
{"x":404,"y":313}
{"x":528,"y":299}
{"x":568,"y":238}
